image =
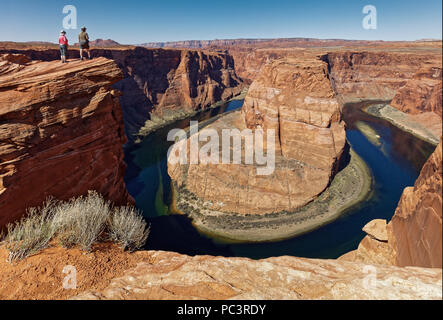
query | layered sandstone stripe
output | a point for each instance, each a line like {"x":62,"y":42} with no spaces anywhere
{"x":61,"y":133}
{"x":423,"y":93}
{"x":295,"y":98}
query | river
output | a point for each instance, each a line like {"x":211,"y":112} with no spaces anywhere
{"x":395,"y":158}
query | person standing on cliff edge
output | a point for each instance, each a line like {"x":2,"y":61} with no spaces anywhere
{"x":63,"y":42}
{"x":83,"y":39}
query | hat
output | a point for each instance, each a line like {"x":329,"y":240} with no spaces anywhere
{"x":63,"y":31}
{"x":83,"y":28}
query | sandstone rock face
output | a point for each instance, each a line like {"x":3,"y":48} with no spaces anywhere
{"x":374,"y":248}
{"x":175,"y":276}
{"x":295,"y":99}
{"x":165,"y":82}
{"x":377,"y":229}
{"x":414,"y":235}
{"x":415,"y":231}
{"x":61,"y":133}
{"x":423,"y":93}
{"x":373,"y":75}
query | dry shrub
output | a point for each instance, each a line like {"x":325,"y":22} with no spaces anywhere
{"x":128,"y":228}
{"x":30,"y":234}
{"x":79,"y":222}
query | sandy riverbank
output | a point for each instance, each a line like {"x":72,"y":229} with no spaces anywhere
{"x":410,"y":123}
{"x":350,"y":186}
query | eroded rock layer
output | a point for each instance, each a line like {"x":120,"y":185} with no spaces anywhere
{"x":166,"y":84}
{"x":61,"y":132}
{"x":175,"y":276}
{"x":295,"y":98}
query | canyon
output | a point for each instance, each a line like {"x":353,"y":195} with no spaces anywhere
{"x":73,"y":128}
{"x":62,"y":128}
{"x":161,"y":85}
{"x":300,"y":96}
{"x":295,"y":99}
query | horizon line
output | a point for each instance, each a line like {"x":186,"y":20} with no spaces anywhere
{"x":243,"y":39}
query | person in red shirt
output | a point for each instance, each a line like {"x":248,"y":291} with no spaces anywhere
{"x":63,"y":42}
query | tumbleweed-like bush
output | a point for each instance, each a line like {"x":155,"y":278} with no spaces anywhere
{"x":80,"y":222}
{"x":128,"y":228}
{"x":30,"y":234}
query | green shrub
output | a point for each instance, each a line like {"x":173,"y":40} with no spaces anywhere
{"x":128,"y":228}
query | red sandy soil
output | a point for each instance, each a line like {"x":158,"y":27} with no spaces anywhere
{"x":41,"y":276}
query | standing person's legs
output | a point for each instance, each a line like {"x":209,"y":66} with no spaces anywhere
{"x":81,"y":54}
{"x":89,"y":54}
{"x":63,"y":53}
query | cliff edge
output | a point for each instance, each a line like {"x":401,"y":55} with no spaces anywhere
{"x":61,"y":132}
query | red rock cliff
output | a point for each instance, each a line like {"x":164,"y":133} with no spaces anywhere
{"x":61,"y":132}
{"x":415,"y":231}
{"x":423,"y":93}
{"x":166,"y":82}
{"x":413,"y":237}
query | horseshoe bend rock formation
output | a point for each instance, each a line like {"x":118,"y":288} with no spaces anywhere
{"x":414,"y":234}
{"x":295,"y":98}
{"x":61,"y":132}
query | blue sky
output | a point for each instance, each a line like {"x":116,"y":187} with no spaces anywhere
{"x":139,"y":21}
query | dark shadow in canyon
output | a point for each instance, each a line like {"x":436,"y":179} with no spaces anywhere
{"x":176,"y":233}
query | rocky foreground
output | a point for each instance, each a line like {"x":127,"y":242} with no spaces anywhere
{"x":174,"y":276}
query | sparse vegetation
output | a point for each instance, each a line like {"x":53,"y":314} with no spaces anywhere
{"x":80,"y":222}
{"x":128,"y":228}
{"x":31,"y":234}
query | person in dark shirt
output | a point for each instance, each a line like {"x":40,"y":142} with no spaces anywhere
{"x":83,"y":39}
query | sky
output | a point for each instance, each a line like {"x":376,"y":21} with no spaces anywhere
{"x":141,"y":21}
